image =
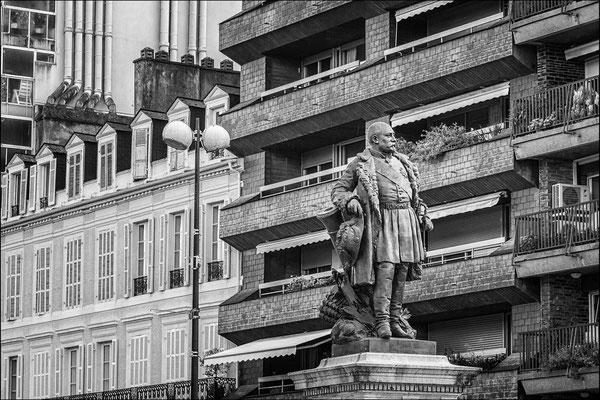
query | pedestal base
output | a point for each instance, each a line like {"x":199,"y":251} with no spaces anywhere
{"x":383,"y":375}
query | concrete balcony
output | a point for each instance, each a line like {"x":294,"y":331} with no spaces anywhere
{"x":258,"y":30}
{"x":561,"y":122}
{"x":395,"y":82}
{"x":554,"y":21}
{"x":476,"y":285}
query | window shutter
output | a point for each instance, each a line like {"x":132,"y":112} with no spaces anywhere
{"x":52,"y":182}
{"x":70,"y":175}
{"x":80,"y":369}
{"x":140,"y":155}
{"x":5,"y":379}
{"x":102,"y":161}
{"x":113,"y":364}
{"x":203,"y":228}
{"x":78,"y":181}
{"x":89,"y":363}
{"x":109,"y":164}
{"x":4,"y":195}
{"x":187,"y":245}
{"x":126,"y":258}
{"x":19,"y":376}
{"x":47,"y":373}
{"x":162,"y":251}
{"x":57,"y":372}
{"x":23,"y":194}
{"x":150,"y":255}
{"x":32,"y":186}
{"x":226,"y":250}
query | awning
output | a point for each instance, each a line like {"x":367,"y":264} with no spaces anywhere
{"x":446,"y":105}
{"x":270,"y":347}
{"x":463,"y":206}
{"x":416,"y":9}
{"x":294,"y":241}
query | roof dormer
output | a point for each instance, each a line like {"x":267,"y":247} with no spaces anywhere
{"x":15,"y":185}
{"x":146,"y":142}
{"x":81,"y":163}
{"x":50,"y":172}
{"x":114,"y":153}
{"x":218,"y":100}
{"x":188,"y":111}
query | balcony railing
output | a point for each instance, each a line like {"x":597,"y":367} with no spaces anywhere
{"x":215,"y":270}
{"x":209,"y":389}
{"x":140,"y":285}
{"x":43,"y":202}
{"x":275,"y":384}
{"x":302,"y":181}
{"x":557,"y":228}
{"x":462,"y":252}
{"x":557,"y":106}
{"x":293,"y":284}
{"x":14,"y":210}
{"x":538,"y":346}
{"x":176,"y":278}
{"x":525,"y":9}
{"x":17,"y":91}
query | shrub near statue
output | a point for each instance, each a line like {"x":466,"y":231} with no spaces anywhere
{"x":376,"y":228}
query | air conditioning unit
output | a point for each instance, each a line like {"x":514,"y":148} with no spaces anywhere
{"x":566,"y":195}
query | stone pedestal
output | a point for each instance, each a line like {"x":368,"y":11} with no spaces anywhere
{"x":384,"y":369}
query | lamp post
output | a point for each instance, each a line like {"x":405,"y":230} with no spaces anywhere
{"x":179,"y":135}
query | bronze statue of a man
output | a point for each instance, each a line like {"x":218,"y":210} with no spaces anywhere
{"x":381,"y":187}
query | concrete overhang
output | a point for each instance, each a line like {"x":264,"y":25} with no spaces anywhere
{"x":558,"y":382}
{"x":578,"y":140}
{"x":573,"y":23}
{"x":582,"y":259}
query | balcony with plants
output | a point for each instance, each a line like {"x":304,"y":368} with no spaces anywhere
{"x":29,"y":29}
{"x":554,"y":21}
{"x":560,"y":121}
{"x":559,"y":240}
{"x":560,"y":360}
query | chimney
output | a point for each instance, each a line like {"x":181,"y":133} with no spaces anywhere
{"x":147,"y":52}
{"x":187,"y":59}
{"x":162,"y":55}
{"x":207,"y":62}
{"x":227,"y":65}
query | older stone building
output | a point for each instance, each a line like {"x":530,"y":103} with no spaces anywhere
{"x":513,"y":259}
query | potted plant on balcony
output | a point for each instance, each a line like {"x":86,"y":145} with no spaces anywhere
{"x":585,"y":102}
{"x":39,"y":22}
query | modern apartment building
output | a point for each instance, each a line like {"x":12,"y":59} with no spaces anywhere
{"x":512,"y":263}
{"x":79,"y":54}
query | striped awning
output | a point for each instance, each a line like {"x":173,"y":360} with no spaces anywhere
{"x":270,"y":347}
{"x":464,"y":206}
{"x":294,"y":241}
{"x":419,"y":8}
{"x":451,"y":104}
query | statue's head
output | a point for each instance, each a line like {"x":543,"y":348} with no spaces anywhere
{"x":381,"y":137}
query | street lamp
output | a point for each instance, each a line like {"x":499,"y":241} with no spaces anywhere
{"x":178,"y":135}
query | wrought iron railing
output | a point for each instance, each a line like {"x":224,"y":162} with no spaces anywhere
{"x":209,"y":389}
{"x":43,"y":202}
{"x":275,"y":384}
{"x":140,"y":285}
{"x":215,"y":270}
{"x":556,"y":106}
{"x":557,"y":228}
{"x":176,"y":278}
{"x":522,"y":9}
{"x":14,"y":210}
{"x":539,"y":346}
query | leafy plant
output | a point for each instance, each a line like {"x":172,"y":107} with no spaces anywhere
{"x":484,"y":362}
{"x":583,"y":355}
{"x":215,"y":370}
{"x":585,"y":102}
{"x":308,"y":282}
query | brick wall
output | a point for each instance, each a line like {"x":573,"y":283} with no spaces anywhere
{"x":523,"y":202}
{"x":254,"y":173}
{"x":252,"y":79}
{"x":377,"y":35}
{"x":249,"y":372}
{"x":492,"y":386}
{"x":562,"y":301}
{"x":246,"y":4}
{"x":253,"y":269}
{"x":551,"y":172}
{"x":553,"y":69}
{"x":525,"y":318}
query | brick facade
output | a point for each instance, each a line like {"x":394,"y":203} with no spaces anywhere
{"x":252,"y":79}
{"x":254,"y":269}
{"x":525,"y":317}
{"x":249,"y":372}
{"x":562,"y":301}
{"x":551,"y":172}
{"x":377,"y":36}
{"x":492,"y":386}
{"x":553,"y":69}
{"x":254,"y":173}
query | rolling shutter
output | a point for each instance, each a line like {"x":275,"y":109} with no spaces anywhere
{"x":468,"y":334}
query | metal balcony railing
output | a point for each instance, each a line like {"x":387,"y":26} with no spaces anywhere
{"x":522,"y":9}
{"x":215,"y":270}
{"x":538,"y":346}
{"x":14,"y":210}
{"x":43,"y":202}
{"x":302,"y":181}
{"x":176,"y":278}
{"x":208,"y":389}
{"x":140,"y":285}
{"x":557,"y":106}
{"x":557,"y":228}
{"x":275,"y":384}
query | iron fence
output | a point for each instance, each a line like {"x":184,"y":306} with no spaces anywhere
{"x":176,"y":278}
{"x":140,"y":285}
{"x":215,"y":271}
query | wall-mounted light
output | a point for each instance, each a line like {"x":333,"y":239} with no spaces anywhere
{"x":575,"y":275}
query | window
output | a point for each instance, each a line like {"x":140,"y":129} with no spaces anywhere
{"x":13,"y":286}
{"x":176,"y":355}
{"x":142,"y":246}
{"x":17,"y":90}
{"x":74,"y":176}
{"x":594,"y":299}
{"x":333,"y":58}
{"x":40,"y":374}
{"x":212,"y":339}
{"x":106,"y":364}
{"x":215,"y":264}
{"x":17,"y":193}
{"x":106,"y":167}
{"x":34,"y":29}
{"x":73,"y":251}
{"x":141,"y":262}
{"x":173,"y":250}
{"x":347,"y":151}
{"x":74,"y":369}
{"x":317,"y":160}
{"x":176,"y":159}
{"x":106,"y":265}
{"x":46,"y":181}
{"x":12,"y":376}
{"x":42,"y":280}
{"x":212,"y":114}
{"x":140,"y":153}
{"x":587,"y":172}
{"x":138,"y":361}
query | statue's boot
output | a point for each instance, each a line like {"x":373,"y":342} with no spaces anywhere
{"x":396,"y":302}
{"x":384,"y":273}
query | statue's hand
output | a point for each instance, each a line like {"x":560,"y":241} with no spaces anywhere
{"x":354,"y":208}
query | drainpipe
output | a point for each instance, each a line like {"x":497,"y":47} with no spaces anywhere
{"x":73,"y":90}
{"x":68,"y":67}
{"x":110,"y":103}
{"x":98,"y":36}
{"x":173,"y":31}
{"x":192,"y":30}
{"x":203,"y":19}
{"x":88,"y":55}
{"x":163,"y":37}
